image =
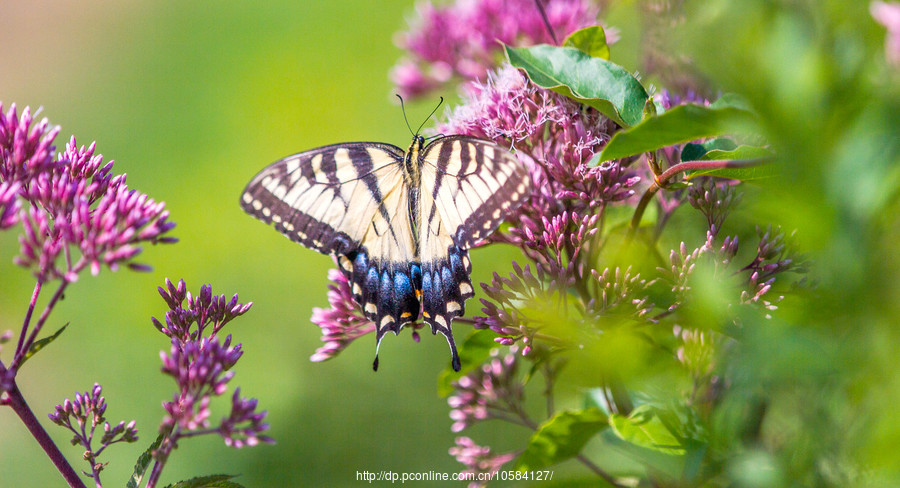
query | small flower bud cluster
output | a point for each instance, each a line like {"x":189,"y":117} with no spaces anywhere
{"x":82,"y":416}
{"x":201,"y":364}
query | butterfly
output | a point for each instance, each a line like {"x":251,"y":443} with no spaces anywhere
{"x":399,"y":223}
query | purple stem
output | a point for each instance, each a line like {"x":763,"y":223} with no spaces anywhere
{"x":20,"y":406}
{"x":20,"y":352}
{"x":154,"y":474}
{"x":28,"y":313}
{"x":549,"y":27}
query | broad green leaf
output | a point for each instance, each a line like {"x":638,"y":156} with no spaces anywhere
{"x":748,"y":173}
{"x":681,"y":124}
{"x":595,"y":82}
{"x":590,"y":40}
{"x":42,"y":343}
{"x":210,"y":481}
{"x":694,"y":151}
{"x":561,"y":437}
{"x":472,"y":353}
{"x":644,"y":428}
{"x":741,"y":153}
{"x":143,"y":461}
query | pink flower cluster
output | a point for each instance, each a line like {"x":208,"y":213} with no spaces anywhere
{"x":75,"y":213}
{"x":464,"y":38}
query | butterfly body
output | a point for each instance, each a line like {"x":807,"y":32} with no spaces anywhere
{"x":399,"y":223}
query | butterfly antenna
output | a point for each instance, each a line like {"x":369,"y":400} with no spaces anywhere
{"x":432,"y":113}
{"x":403,"y":108}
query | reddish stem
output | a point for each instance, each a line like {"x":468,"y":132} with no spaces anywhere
{"x":663,"y":179}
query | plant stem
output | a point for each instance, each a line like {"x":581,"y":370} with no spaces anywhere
{"x":596,"y":469}
{"x":526,"y":420}
{"x":154,"y":474}
{"x":20,"y":406}
{"x":540,"y":7}
{"x":28,"y":314}
{"x":20,"y":353}
{"x":663,"y":179}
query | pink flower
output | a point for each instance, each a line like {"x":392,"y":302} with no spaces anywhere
{"x":464,"y":38}
{"x":478,"y":460}
{"x":888,"y":15}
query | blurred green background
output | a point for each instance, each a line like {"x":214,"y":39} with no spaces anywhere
{"x":191,"y":99}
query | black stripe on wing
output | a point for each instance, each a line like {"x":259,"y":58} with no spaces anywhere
{"x":478,"y":184}
{"x":320,"y":198}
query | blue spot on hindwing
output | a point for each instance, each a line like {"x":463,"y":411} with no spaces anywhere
{"x":402,"y":284}
{"x":447,"y":278}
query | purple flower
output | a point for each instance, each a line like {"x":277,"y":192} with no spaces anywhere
{"x":888,"y":15}
{"x":202,"y":365}
{"x":714,"y":200}
{"x":697,"y":350}
{"x":464,"y":38}
{"x":682,"y":264}
{"x":25,"y":150}
{"x":201,"y":369}
{"x":82,"y":416}
{"x":9,"y":204}
{"x":204,"y":310}
{"x":343,"y":322}
{"x":244,"y":425}
{"x":478,"y":460}
{"x":78,"y":214}
{"x":492,"y":391}
{"x":619,"y":292}
{"x":505,"y":313}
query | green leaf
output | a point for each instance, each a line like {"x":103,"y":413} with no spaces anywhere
{"x":681,"y":124}
{"x":210,"y":481}
{"x":561,"y":437}
{"x":472,"y":353}
{"x":140,"y":467}
{"x":644,"y":428}
{"x":40,"y":344}
{"x":595,"y":82}
{"x":693,"y":151}
{"x":590,"y":40}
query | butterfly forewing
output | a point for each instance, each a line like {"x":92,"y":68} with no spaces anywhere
{"x":473,"y":184}
{"x":326,"y":198}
